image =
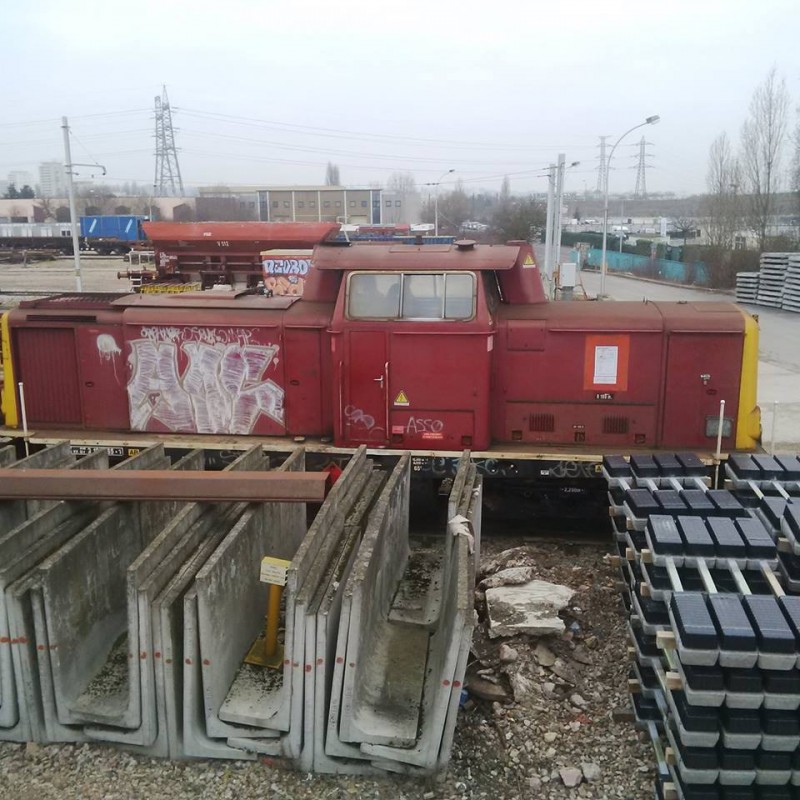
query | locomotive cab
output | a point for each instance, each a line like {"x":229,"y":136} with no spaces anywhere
{"x":412,"y":342}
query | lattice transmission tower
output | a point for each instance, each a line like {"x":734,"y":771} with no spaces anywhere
{"x":168,"y":179}
{"x":641,"y":180}
{"x":602,"y":167}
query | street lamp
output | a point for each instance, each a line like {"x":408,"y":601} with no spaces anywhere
{"x":436,"y":200}
{"x":603,"y":266}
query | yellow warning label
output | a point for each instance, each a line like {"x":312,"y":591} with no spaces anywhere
{"x":401,"y":399}
{"x":528,"y":262}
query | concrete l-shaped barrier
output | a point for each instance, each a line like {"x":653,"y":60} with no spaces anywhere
{"x":129,"y":623}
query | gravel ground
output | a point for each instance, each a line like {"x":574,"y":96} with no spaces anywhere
{"x":565,"y":708}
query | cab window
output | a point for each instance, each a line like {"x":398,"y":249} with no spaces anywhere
{"x":411,"y":296}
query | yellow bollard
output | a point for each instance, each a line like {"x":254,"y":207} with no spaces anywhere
{"x":265,"y":650}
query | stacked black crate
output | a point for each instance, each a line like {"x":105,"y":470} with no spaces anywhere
{"x":715,"y":641}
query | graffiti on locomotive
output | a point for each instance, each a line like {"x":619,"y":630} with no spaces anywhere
{"x":196,"y":379}
{"x":286,"y":276}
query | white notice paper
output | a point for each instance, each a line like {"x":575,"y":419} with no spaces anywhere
{"x":605,"y":364}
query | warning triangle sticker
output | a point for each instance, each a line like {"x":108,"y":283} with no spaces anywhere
{"x":528,"y":262}
{"x":401,"y":399}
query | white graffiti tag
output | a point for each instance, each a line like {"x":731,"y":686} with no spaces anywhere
{"x":222,"y":389}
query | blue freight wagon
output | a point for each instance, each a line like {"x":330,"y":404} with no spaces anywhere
{"x":114,"y":233}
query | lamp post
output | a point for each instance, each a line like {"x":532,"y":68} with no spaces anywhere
{"x":436,"y":200}
{"x":603,"y":266}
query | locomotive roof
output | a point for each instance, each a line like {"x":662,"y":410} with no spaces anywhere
{"x":206,"y":299}
{"x":678,"y":316}
{"x":425,"y":257}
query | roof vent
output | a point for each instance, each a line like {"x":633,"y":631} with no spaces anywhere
{"x":465,"y":244}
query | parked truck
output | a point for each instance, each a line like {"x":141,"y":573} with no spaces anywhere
{"x":114,"y":233}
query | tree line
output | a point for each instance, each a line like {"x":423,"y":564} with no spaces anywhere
{"x":744,"y":177}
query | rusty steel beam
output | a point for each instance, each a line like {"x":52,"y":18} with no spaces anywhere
{"x":163,"y":484}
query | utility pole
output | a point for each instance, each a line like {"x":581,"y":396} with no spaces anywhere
{"x":557,"y":216}
{"x":73,"y":214}
{"x":548,"y":233}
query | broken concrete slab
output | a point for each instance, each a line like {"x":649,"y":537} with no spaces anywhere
{"x":531,"y":608}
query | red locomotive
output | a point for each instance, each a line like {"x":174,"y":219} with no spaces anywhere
{"x":430,"y":348}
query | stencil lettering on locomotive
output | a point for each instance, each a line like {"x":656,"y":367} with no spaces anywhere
{"x":221,"y":388}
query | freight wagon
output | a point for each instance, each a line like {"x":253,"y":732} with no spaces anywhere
{"x":55,"y":236}
{"x":112,"y":233}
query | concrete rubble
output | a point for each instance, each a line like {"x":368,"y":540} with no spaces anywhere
{"x":530,"y":608}
{"x":128,"y":623}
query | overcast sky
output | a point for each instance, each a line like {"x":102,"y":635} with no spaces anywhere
{"x":266,"y":93}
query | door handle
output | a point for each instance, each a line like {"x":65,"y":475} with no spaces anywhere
{"x":379,"y":380}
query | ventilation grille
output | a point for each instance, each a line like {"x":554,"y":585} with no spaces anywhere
{"x":543,"y":423}
{"x":615,"y":424}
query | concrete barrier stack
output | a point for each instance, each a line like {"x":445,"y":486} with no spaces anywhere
{"x":714,"y":620}
{"x":128,"y":623}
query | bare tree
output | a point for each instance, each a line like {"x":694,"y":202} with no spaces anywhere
{"x":332,"y":175}
{"x":795,"y":169}
{"x":505,"y":191}
{"x":685,"y":226}
{"x":721,"y":204}
{"x":763,"y":137}
{"x":402,"y":183}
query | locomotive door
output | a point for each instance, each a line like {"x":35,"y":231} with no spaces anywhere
{"x":698,"y":378}
{"x":365,"y":408}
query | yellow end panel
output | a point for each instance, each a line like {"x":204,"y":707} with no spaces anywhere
{"x":748,"y":425}
{"x":8,"y":397}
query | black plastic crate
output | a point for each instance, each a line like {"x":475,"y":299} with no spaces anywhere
{"x":744,"y":467}
{"x":777,"y":793}
{"x":791,"y":514}
{"x":668,"y":465}
{"x":737,"y":760}
{"x":642,"y":503}
{"x":733,"y":626}
{"x":776,"y":722}
{"x":645,"y":708}
{"x":772,"y":629}
{"x":725,"y":503}
{"x":728,"y":539}
{"x":698,"y":757}
{"x":740,"y":720}
{"x":706,"y":679}
{"x":696,"y":536}
{"x":616,"y":466}
{"x":646,"y":644}
{"x":790,"y":605}
{"x":756,"y":537}
{"x":770,"y":469}
{"x":697,"y":502}
{"x":791,"y":467}
{"x":617,"y":495}
{"x":644,"y":466}
{"x":781,"y":681}
{"x":692,"y":465}
{"x":670,"y":501}
{"x":773,"y":760}
{"x":695,"y":626}
{"x":696,"y":718}
{"x":738,"y":793}
{"x":748,"y":681}
{"x":654,"y":611}
{"x":772,"y":508}
{"x":664,"y":535}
